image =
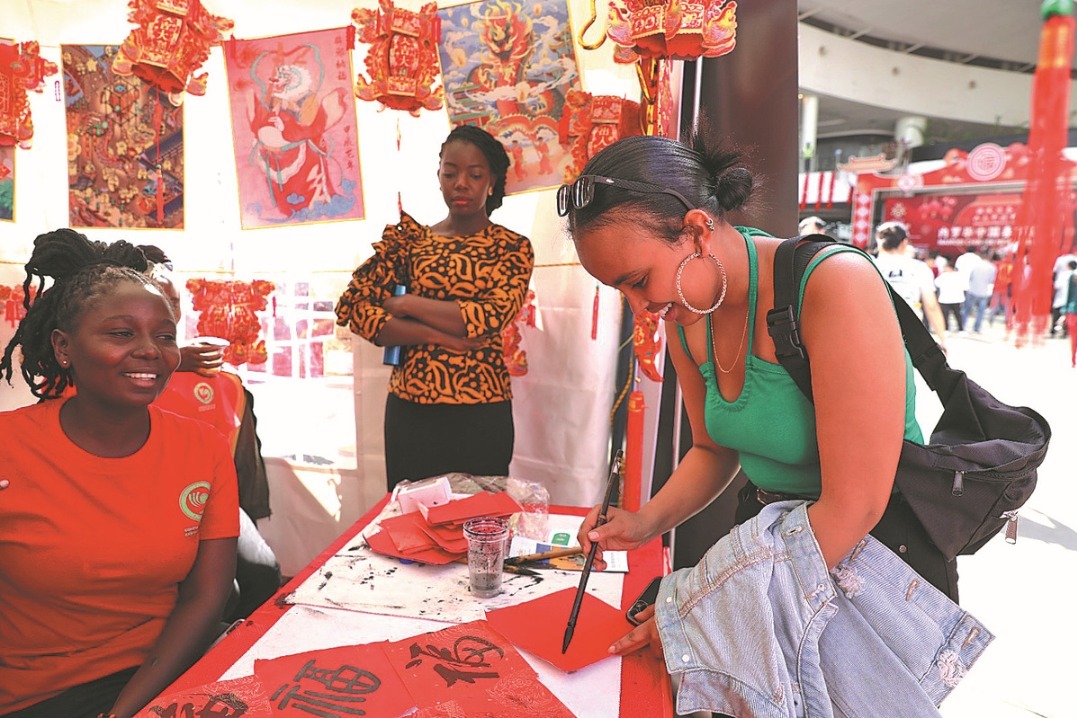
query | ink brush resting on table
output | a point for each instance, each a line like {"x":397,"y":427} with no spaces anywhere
{"x":615,"y":472}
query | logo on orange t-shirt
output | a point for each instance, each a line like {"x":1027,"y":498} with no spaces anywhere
{"x":203,"y":392}
{"x":193,"y":498}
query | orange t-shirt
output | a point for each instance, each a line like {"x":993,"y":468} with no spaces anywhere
{"x":92,"y":550}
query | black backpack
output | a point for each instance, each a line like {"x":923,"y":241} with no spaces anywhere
{"x":980,"y":465}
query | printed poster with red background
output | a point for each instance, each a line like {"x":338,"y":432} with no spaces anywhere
{"x":507,"y":66}
{"x":293,"y":125}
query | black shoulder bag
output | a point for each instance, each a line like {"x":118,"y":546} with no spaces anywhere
{"x":980,"y":465}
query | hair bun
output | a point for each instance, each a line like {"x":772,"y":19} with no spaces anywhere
{"x":734,"y":187}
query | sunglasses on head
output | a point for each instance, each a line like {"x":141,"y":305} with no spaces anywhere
{"x":581,"y":193}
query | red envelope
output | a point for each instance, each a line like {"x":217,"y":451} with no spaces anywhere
{"x":350,"y":680}
{"x":383,"y":544}
{"x":407,"y":533}
{"x":483,"y":503}
{"x":243,"y":696}
{"x":446,"y":536}
{"x":538,"y":626}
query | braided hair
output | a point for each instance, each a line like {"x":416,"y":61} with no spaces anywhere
{"x":82,"y":271}
{"x":495,"y":155}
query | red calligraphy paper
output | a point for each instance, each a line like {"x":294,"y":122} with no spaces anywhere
{"x":481,"y":504}
{"x":346,"y":681}
{"x":244,"y":697}
{"x":383,"y":544}
{"x":471,"y":671}
{"x":597,"y":627}
{"x":407,"y":533}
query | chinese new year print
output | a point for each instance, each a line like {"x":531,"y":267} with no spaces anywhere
{"x":7,"y":182}
{"x":507,"y":67}
{"x":293,"y":124}
{"x":124,"y":146}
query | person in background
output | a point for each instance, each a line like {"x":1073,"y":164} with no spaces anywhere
{"x":951,"y":285}
{"x":1061,"y":298}
{"x":119,"y":521}
{"x":229,"y":407}
{"x":1069,"y":311}
{"x":648,"y":216}
{"x":910,"y":278}
{"x":981,"y":287}
{"x":811,"y":225}
{"x":1000,"y":297}
{"x":449,"y":406}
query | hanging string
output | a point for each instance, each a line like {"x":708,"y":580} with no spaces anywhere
{"x":399,"y":199}
{"x":158,"y":118}
{"x":587,"y":26}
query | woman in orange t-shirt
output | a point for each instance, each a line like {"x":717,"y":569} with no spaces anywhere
{"x":118,"y":522}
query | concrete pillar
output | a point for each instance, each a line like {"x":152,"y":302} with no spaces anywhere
{"x":809,"y":129}
{"x":910,"y":130}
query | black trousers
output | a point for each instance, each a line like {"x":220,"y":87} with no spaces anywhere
{"x":899,"y":530}
{"x":84,"y":701}
{"x":424,"y":440}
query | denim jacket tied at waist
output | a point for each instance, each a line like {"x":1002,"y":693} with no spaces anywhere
{"x":759,"y":628}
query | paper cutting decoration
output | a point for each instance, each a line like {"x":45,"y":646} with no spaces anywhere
{"x":590,"y":123}
{"x":336,"y":682}
{"x":646,"y":344}
{"x":511,"y":337}
{"x":7,"y":182}
{"x":677,"y":29}
{"x":507,"y":66}
{"x":21,"y":69}
{"x":169,"y":45}
{"x":13,"y":299}
{"x":470,"y":670}
{"x":403,"y":58}
{"x":124,"y":146}
{"x":228,"y":310}
{"x":293,"y":121}
{"x":240,"y":698}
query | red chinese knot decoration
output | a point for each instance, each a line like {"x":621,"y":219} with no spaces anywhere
{"x":21,"y":69}
{"x":646,"y":344}
{"x":678,"y":29}
{"x":170,"y":44}
{"x":228,"y":310}
{"x":403,"y":57}
{"x":590,"y":123}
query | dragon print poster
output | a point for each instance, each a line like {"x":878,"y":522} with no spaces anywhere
{"x":293,"y":123}
{"x":507,"y":66}
{"x":124,"y":146}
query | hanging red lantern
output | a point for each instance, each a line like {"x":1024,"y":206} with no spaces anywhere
{"x":228,"y":310}
{"x":678,"y":29}
{"x":21,"y":69}
{"x":590,"y":123}
{"x":170,"y":44}
{"x":403,"y":57}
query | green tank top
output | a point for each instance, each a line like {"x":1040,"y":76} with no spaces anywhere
{"x":771,"y":423}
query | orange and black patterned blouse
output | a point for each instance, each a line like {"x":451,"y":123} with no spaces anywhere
{"x":486,"y":274}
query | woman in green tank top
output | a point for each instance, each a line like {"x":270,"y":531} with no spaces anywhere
{"x":648,"y":218}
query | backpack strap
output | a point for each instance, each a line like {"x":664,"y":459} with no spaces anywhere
{"x":783,"y":322}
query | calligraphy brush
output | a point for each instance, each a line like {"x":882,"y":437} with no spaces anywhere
{"x":615,"y":471}
{"x":545,"y":556}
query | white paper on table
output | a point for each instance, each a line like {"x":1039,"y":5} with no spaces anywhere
{"x":562,"y":534}
{"x":593,"y":691}
{"x":358,"y":579}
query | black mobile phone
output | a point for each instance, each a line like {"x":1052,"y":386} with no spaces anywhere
{"x":647,"y":598}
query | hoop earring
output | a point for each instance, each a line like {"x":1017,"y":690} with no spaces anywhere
{"x":680,"y":292}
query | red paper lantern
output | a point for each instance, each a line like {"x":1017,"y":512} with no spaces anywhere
{"x":21,"y":69}
{"x":678,"y":29}
{"x":590,"y":123}
{"x":170,"y":45}
{"x":403,"y":57}
{"x":227,"y":310}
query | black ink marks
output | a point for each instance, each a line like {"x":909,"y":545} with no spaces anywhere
{"x":344,"y":691}
{"x":463,"y":662}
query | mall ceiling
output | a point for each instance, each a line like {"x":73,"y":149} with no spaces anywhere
{"x":1001,"y":34}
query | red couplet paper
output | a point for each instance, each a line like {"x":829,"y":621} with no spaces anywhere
{"x":483,"y":503}
{"x":240,"y":697}
{"x":470,"y":670}
{"x":407,"y":533}
{"x":346,"y":681}
{"x":383,"y":544}
{"x":538,"y":627}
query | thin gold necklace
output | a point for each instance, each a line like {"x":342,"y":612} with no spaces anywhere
{"x":736,"y":357}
